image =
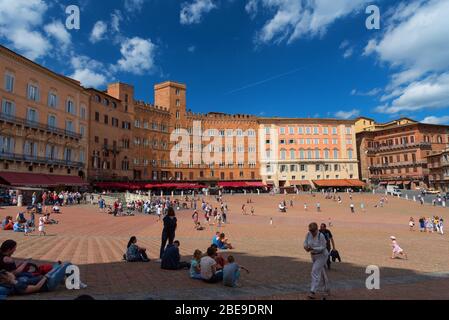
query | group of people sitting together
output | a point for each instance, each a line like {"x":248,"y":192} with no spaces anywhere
{"x":27,"y":226}
{"x":210,"y":267}
{"x":26,"y":277}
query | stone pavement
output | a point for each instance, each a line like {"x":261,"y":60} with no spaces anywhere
{"x":280,"y":269}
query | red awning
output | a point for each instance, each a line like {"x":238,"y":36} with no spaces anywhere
{"x":232,"y":184}
{"x":67,"y":180}
{"x":185,"y":186}
{"x":256,"y":184}
{"x":21,"y":179}
{"x":384,"y":182}
{"x":392,"y":183}
{"x":342,"y":183}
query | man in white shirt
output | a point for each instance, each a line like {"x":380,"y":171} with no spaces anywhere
{"x":316,"y":244}
{"x":208,"y":267}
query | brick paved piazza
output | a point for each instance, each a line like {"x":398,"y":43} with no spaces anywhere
{"x":280,"y":269}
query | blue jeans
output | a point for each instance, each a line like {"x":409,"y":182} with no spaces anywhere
{"x":56,"y":276}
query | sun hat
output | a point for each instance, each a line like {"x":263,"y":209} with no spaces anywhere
{"x":393,"y":238}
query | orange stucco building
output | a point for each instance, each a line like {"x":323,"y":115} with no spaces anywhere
{"x":396,"y":152}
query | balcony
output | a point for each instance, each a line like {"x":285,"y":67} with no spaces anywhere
{"x":415,"y":145}
{"x":398,"y":164}
{"x":39,"y":160}
{"x":39,"y":126}
{"x":113,"y":149}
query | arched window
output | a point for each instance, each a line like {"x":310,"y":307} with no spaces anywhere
{"x":317,"y":154}
{"x":283,"y":154}
{"x":326,"y":154}
{"x":292,"y":154}
{"x":309,"y":154}
{"x":301,"y":154}
{"x":350,"y":153}
{"x":336,"y":156}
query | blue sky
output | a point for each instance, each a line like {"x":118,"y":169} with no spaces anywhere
{"x":292,"y":58}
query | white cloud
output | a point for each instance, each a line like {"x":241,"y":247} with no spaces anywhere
{"x":344,"y":44}
{"x":371,"y":93}
{"x":191,"y":49}
{"x":19,"y":21}
{"x":137,"y":56}
{"x":347,"y":114}
{"x":348,"y":53}
{"x":89,"y":72}
{"x":436,"y":120}
{"x":89,"y":78}
{"x":415,"y":45}
{"x":251,"y":8}
{"x":116,"y":18}
{"x":98,"y":32}
{"x":431,"y":92}
{"x":133,"y":5}
{"x":192,"y":12}
{"x":294,"y":19}
{"x":57,"y":30}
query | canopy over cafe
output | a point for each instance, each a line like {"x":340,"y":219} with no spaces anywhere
{"x":28,"y":183}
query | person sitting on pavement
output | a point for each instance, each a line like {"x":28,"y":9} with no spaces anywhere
{"x":56,"y":209}
{"x":216,"y":238}
{"x":135,"y":253}
{"x":21,"y":217}
{"x":221,"y":262}
{"x":223,"y":243}
{"x":18,"y":227}
{"x":209,"y":270}
{"x":171,"y":260}
{"x":195,"y":269}
{"x":7,"y":223}
{"x":231,"y":273}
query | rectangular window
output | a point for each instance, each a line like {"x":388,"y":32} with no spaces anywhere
{"x":70,"y":107}
{"x":32,"y":115}
{"x":52,"y":121}
{"x":83,"y":113}
{"x":69,"y":126}
{"x":106,"y":119}
{"x":334,"y":130}
{"x":97,"y":116}
{"x":52,"y":100}
{"x":33,"y":92}
{"x":8,"y":108}
{"x":9,"y":82}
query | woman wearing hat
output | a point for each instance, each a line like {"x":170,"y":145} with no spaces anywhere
{"x":397,"y":250}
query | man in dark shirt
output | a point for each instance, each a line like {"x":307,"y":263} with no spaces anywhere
{"x":329,"y":240}
{"x":171,"y":260}
{"x":168,"y":233}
